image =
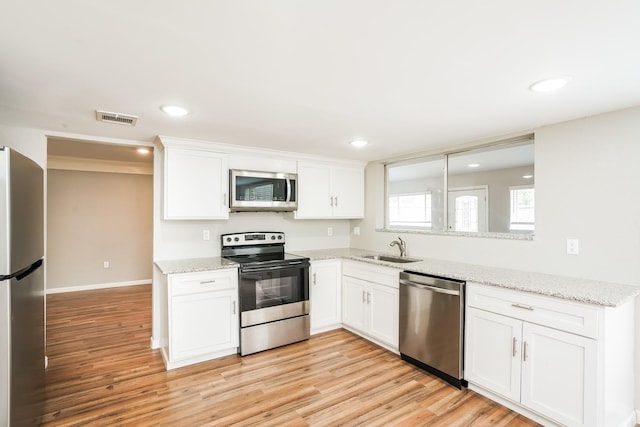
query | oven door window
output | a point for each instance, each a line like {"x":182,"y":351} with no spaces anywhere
{"x":268,"y":288}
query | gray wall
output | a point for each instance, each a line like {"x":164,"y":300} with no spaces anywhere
{"x":95,"y":217}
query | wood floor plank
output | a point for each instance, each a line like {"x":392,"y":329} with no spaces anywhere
{"x":103,"y":373}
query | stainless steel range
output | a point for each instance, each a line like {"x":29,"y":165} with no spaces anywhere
{"x":274,"y":290}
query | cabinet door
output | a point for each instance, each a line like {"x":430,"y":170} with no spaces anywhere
{"x":196,"y":184}
{"x":314,"y":191}
{"x":383,"y":308}
{"x":202,"y":323}
{"x":354,"y":297}
{"x":348,"y":192}
{"x":493,"y":351}
{"x":325,"y":295}
{"x":559,"y":372}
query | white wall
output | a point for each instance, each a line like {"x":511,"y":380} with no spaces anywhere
{"x":587,"y":188}
{"x":29,"y":142}
{"x":95,"y":217}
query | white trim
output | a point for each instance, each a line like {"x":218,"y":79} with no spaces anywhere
{"x":97,"y":165}
{"x":97,"y":286}
{"x":159,"y":343}
{"x":513,"y":406}
{"x":95,"y":138}
{"x":637,"y":420}
{"x":238,"y":150}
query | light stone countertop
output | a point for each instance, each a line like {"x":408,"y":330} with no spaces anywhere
{"x":190,"y":265}
{"x":569,"y":288}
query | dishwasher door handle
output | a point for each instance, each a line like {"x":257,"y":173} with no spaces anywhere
{"x":431,"y":288}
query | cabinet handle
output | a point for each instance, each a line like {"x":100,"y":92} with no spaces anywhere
{"x":224,"y":199}
{"x":524,"y":352}
{"x":524,"y":307}
{"x":514,"y":346}
{"x":368,"y":297}
{"x":364,"y":297}
{"x":234,"y":307}
{"x":331,"y":201}
{"x":336,"y":202}
{"x":314,"y":279}
{"x":207,"y":281}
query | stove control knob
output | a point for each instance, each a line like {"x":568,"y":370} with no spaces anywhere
{"x":228,"y":239}
{"x":279,"y":237}
{"x":236,"y":239}
{"x":273,"y":237}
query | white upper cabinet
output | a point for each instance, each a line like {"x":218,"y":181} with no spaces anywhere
{"x":330,"y":191}
{"x":196,"y":184}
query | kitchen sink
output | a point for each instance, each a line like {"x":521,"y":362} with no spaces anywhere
{"x":391,"y":258}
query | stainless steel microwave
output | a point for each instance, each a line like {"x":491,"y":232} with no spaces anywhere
{"x":263,"y":191}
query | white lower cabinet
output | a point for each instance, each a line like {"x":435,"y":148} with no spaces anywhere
{"x":202,"y":316}
{"x":558,"y":375}
{"x":325,"y":295}
{"x":370,"y":302}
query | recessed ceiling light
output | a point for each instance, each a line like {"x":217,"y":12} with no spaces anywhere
{"x":359,"y":143}
{"x":527,"y":176}
{"x":143,"y":150}
{"x":174,"y":110}
{"x":550,"y":85}
{"x":473,"y":165}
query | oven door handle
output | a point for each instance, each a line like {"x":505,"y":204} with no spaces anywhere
{"x":275,"y":267}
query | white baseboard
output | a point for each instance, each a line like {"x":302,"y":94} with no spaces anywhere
{"x":97,"y":286}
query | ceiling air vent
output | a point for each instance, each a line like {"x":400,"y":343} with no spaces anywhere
{"x":121,"y":119}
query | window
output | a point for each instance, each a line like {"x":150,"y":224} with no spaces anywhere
{"x":421,"y":193}
{"x":410,"y":210}
{"x":522,"y":208}
{"x":414,"y":195}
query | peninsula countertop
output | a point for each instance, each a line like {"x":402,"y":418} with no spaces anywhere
{"x":569,"y":288}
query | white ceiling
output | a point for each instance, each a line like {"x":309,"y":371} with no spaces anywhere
{"x":312,"y":75}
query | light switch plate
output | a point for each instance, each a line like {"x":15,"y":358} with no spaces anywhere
{"x":206,"y":235}
{"x":329,"y":231}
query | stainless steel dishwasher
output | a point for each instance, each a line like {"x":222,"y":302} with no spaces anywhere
{"x":432,"y":325}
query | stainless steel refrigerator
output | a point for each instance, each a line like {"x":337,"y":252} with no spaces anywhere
{"x":22,"y":297}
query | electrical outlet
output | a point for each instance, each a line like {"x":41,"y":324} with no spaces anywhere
{"x":105,"y":264}
{"x":329,"y":231}
{"x":573,"y":246}
{"x":206,"y":235}
{"x":356,"y":231}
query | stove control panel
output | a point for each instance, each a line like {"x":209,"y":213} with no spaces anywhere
{"x":252,"y":239}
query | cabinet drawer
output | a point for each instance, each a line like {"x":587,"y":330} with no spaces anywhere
{"x":205,"y":281}
{"x":581,"y":319}
{"x":372,"y":273}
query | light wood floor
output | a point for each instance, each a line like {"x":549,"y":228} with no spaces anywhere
{"x":102,"y":372}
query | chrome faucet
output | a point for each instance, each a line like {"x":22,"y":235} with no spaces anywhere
{"x":401,"y":244}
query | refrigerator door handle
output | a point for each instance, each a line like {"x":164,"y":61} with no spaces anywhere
{"x":21,"y":274}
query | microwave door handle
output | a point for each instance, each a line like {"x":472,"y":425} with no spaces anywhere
{"x":288,"y":190}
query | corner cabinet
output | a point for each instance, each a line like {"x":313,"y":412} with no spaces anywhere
{"x":370,"y":302}
{"x":325,"y":295}
{"x":328,"y":191}
{"x":203,"y":317}
{"x":563,"y":361}
{"x":196,"y":184}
